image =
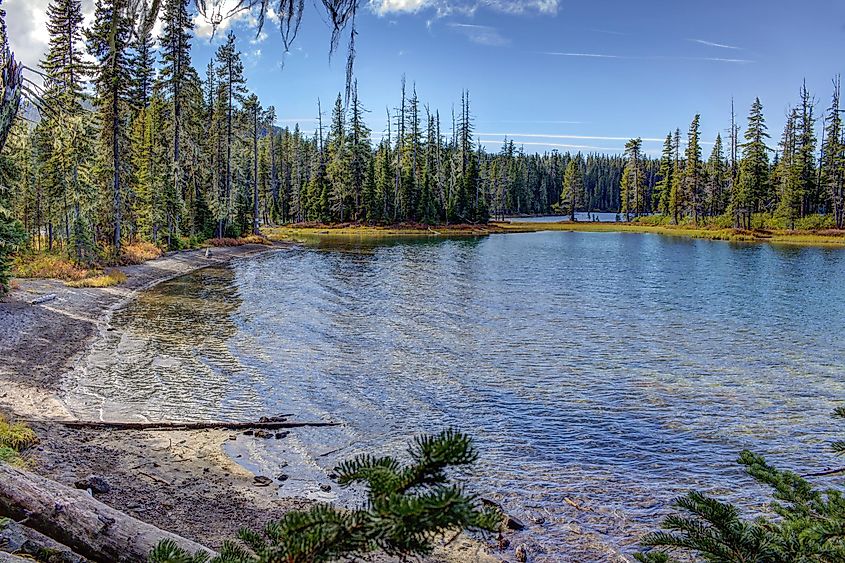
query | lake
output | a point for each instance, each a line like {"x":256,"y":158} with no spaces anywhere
{"x":602,"y":374}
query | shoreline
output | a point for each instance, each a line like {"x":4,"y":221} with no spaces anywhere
{"x":180,"y":481}
{"x":304,"y":232}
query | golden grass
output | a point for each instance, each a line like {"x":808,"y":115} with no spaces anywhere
{"x":139,"y":252}
{"x":47,"y":266}
{"x":106,"y":279}
{"x":300,"y":231}
{"x":351,"y":230}
{"x":826,"y":237}
{"x":249,"y":239}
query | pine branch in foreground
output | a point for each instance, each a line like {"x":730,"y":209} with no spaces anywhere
{"x":807,"y":525}
{"x":407,"y":509}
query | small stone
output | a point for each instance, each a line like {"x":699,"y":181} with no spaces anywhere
{"x":325,"y":488}
{"x":263,"y":434}
{"x":521,"y":553}
{"x":333,"y":476}
{"x":539,"y":520}
{"x":283,"y":477}
{"x":514,"y":523}
{"x":94,"y":483}
{"x":261,"y":480}
{"x":232,"y":437}
{"x":280,"y":435}
{"x":248,"y":432}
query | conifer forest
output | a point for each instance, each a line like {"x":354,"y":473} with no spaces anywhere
{"x":523,"y":281}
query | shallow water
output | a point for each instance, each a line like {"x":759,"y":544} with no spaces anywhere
{"x":611,"y":370}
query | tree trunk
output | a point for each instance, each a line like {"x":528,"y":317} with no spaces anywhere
{"x":77,"y":520}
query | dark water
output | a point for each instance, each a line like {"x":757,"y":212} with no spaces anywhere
{"x":602,"y":374}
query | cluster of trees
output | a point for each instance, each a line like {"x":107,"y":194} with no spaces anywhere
{"x":791,"y":181}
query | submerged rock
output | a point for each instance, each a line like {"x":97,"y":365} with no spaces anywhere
{"x":325,"y":488}
{"x":261,"y":480}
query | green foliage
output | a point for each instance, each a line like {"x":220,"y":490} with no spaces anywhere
{"x":806,"y":525}
{"x":407,"y":508}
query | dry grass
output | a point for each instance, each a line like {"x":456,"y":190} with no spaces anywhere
{"x":249,"y":239}
{"x":348,"y":230}
{"x":139,"y":252}
{"x":47,"y":266}
{"x":106,"y":279}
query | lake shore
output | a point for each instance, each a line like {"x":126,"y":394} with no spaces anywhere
{"x":310,"y":231}
{"x":180,"y":481}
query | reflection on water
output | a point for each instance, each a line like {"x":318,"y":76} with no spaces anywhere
{"x":611,"y":370}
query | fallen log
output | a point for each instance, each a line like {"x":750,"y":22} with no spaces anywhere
{"x":73,"y":518}
{"x":271,"y":425}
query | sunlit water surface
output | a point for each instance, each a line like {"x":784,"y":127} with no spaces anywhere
{"x":602,"y":374}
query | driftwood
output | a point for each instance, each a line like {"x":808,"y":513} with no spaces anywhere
{"x":23,"y":541}
{"x":824,"y":473}
{"x":269,"y":425}
{"x":82,"y":523}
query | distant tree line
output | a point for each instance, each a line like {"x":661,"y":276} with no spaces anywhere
{"x":798,"y":178}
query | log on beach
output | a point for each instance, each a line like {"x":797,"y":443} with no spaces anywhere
{"x":82,"y":523}
{"x":269,"y":425}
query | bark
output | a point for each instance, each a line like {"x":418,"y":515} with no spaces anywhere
{"x":75,"y":519}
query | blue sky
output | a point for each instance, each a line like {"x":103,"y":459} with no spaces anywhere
{"x":548,"y":73}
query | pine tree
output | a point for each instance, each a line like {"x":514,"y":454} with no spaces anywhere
{"x":675,"y":191}
{"x":573,"y":186}
{"x":753,"y":178}
{"x":833,"y":158}
{"x":142,"y":62}
{"x":337,"y":168}
{"x":788,"y":172}
{"x":663,"y":188}
{"x":811,"y":198}
{"x":108,"y":42}
{"x":360,"y":155}
{"x":177,"y":79}
{"x":717,"y":175}
{"x":233,"y":89}
{"x":631,"y":187}
{"x":692,"y":178}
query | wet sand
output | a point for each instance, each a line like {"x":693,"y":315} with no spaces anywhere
{"x":181,"y":481}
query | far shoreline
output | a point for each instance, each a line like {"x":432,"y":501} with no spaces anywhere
{"x":304,"y":232}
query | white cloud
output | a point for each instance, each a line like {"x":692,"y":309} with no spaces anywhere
{"x":26,"y":21}
{"x":383,"y":7}
{"x":712,"y":44}
{"x":465,"y":7}
{"x":644,"y":58}
{"x":481,"y":34}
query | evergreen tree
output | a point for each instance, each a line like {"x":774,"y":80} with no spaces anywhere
{"x":663,"y":188}
{"x":753,"y":180}
{"x":833,"y":158}
{"x":717,"y":176}
{"x":573,"y":186}
{"x":692,"y":178}
{"x":108,"y":42}
{"x":631,"y":187}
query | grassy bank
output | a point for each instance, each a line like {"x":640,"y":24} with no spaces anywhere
{"x":824,"y":237}
{"x":304,"y":231}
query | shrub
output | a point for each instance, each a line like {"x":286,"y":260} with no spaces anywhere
{"x":139,"y":252}
{"x":14,"y":438}
{"x":43,"y":265}
{"x":407,"y":508}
